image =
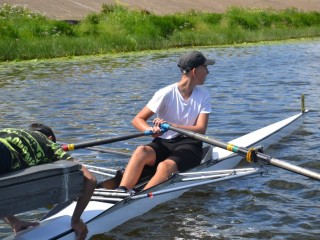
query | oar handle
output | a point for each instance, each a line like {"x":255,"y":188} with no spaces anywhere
{"x":250,"y":154}
{"x":71,"y":147}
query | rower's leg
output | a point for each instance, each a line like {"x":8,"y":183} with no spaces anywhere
{"x":164,"y":170}
{"x":111,"y":183}
{"x":142,"y":156}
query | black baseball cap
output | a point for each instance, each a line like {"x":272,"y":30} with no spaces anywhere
{"x":193,"y":59}
{"x":43,"y":129}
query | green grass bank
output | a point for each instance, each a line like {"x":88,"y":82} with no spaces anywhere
{"x":26,"y":35}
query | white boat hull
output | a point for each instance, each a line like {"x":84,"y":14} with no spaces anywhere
{"x":102,"y":217}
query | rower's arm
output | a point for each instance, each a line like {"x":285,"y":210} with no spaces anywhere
{"x":199,"y":127}
{"x":89,"y":186}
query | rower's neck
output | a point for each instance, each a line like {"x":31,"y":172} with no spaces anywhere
{"x":185,"y":89}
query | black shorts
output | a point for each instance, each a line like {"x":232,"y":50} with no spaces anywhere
{"x":184,"y":151}
{"x":5,"y":158}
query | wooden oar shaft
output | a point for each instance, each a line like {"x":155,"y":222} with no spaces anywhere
{"x":71,"y":147}
{"x":244,"y":152}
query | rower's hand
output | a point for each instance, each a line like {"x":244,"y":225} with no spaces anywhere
{"x":80,"y":228}
{"x":156,"y":129}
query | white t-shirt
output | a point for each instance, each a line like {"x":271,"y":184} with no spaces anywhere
{"x":169,"y":105}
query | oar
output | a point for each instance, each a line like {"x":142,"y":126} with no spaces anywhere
{"x":251,"y":154}
{"x":103,"y":150}
{"x":71,"y":147}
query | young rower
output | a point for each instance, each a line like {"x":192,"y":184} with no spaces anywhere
{"x":185,"y":104}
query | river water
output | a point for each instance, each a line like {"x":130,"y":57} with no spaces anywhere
{"x":251,"y":86}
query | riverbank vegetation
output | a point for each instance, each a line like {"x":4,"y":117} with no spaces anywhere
{"x":27,"y":35}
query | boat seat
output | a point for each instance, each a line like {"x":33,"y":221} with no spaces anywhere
{"x":40,"y":186}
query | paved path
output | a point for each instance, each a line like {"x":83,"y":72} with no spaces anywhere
{"x":77,"y":9}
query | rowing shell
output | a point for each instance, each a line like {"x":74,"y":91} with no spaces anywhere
{"x":109,"y":209}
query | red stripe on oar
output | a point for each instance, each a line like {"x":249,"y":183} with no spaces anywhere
{"x":65,"y":147}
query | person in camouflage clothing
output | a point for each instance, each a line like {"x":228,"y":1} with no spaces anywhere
{"x":21,"y":149}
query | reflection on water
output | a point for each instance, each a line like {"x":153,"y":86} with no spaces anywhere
{"x":251,"y":86}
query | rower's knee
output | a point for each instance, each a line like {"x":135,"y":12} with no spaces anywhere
{"x":167,"y":168}
{"x":145,"y":155}
{"x":144,"y":150}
